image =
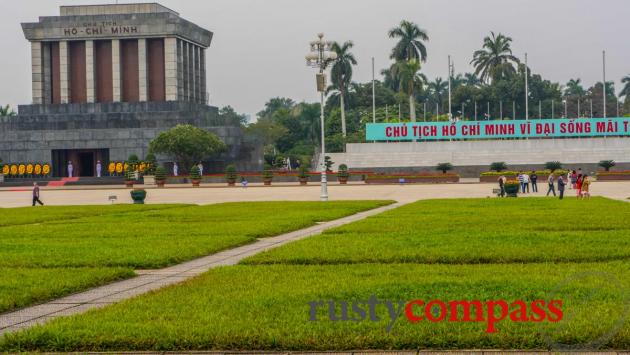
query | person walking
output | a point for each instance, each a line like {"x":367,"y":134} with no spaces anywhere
{"x":175,"y":169}
{"x":502,"y":186}
{"x":200,"y":166}
{"x":36,"y":195}
{"x":586,"y":185}
{"x":70,"y":169}
{"x":99,"y":168}
{"x":551,"y":185}
{"x":534,"y":179}
{"x":525,"y":183}
{"x":561,"y":185}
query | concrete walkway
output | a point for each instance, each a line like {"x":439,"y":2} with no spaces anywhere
{"x":149,"y":280}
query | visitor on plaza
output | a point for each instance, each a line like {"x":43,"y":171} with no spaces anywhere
{"x":99,"y":168}
{"x":586,"y":184}
{"x":175,"y":169}
{"x":502,"y":186}
{"x":200,"y":166}
{"x":36,"y":194}
{"x":551,"y":185}
{"x":521,"y":180}
{"x":578,"y":186}
{"x":573,"y":179}
{"x":244,"y":182}
{"x":561,"y":185}
{"x":534,"y":179}
{"x":525,"y":183}
{"x":70,"y":169}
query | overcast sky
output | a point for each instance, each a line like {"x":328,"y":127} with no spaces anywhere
{"x":259,"y":45}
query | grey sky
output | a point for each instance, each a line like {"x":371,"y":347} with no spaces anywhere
{"x":259,"y":45}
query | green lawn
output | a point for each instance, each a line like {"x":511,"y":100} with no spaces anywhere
{"x":94,"y":240}
{"x":473,"y":231}
{"x":266,"y":307}
{"x":469,"y":249}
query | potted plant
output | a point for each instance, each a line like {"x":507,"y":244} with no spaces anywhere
{"x":195,"y":177}
{"x":130,"y":177}
{"x":230,"y":174}
{"x":553,"y":165}
{"x":138,"y":196}
{"x":328,"y":163}
{"x":160,"y":176}
{"x":444,"y":167}
{"x":267,"y":175}
{"x":132,"y":162}
{"x":498,"y":166}
{"x":511,"y":188}
{"x":303,"y":175}
{"x":343,"y":174}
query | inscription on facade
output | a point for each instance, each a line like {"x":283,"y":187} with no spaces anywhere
{"x":105,"y":28}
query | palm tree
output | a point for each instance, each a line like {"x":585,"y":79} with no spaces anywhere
{"x":410,"y":45}
{"x":437,"y":90}
{"x":574,"y":88}
{"x":495,"y":59}
{"x":626,"y":88}
{"x":341,"y":74}
{"x":470,"y":79}
{"x":6,"y":111}
{"x":410,"y":79}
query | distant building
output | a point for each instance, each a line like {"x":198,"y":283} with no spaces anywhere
{"x":106,"y":79}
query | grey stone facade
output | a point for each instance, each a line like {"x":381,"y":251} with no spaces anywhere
{"x":123,"y":128}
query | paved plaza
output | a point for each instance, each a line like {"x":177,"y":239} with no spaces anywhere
{"x":217,"y":193}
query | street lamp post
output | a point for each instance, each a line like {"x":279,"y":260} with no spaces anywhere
{"x":565,"y":108}
{"x":319,"y":57}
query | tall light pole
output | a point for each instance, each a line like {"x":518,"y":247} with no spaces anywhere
{"x":604,"y":83}
{"x":319,"y":57}
{"x":450,"y":112}
{"x":526,"y":90}
{"x":565,"y":108}
{"x":373,"y":94}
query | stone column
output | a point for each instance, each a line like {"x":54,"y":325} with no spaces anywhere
{"x":90,"y":82}
{"x":142,"y":69}
{"x":64,"y":72}
{"x":37,"y":72}
{"x":170,"y":68}
{"x":197,"y":75}
{"x":116,"y":83}
{"x":202,"y":69}
{"x":46,"y":74}
{"x":180,"y":70}
{"x":191,"y":73}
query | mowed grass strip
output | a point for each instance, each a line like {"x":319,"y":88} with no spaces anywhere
{"x":157,"y":238}
{"x":63,"y":214}
{"x":21,"y":287}
{"x":472,"y":231}
{"x":266,"y":307}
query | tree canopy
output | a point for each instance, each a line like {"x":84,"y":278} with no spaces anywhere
{"x":187,"y":144}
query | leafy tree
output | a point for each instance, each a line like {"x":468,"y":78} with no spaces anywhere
{"x":498,"y":166}
{"x":410,"y":44}
{"x":606,"y":164}
{"x":410,"y":80}
{"x":6,"y":111}
{"x":444,"y":167}
{"x":341,"y":74}
{"x":626,"y":91}
{"x":494,"y":60}
{"x":438,"y":90}
{"x":230,"y":115}
{"x":273,"y":104}
{"x":187,"y":144}
{"x":574,"y":88}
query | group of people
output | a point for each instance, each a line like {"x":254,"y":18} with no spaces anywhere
{"x":574,"y":180}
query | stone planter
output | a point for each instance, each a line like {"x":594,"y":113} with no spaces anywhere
{"x":138,"y":196}
{"x":512,"y":190}
{"x":129,"y":183}
{"x":343,"y":180}
{"x":160,"y":183}
{"x":267,"y":181}
{"x":149,"y":180}
{"x":231,"y":182}
{"x":613,"y":177}
{"x":195,"y":182}
{"x":303,"y":181}
{"x":416,"y":180}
